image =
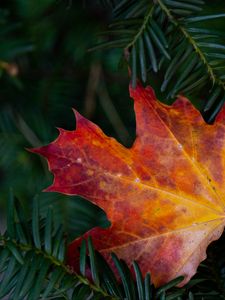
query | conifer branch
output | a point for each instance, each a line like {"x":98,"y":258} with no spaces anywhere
{"x":18,"y":248}
{"x":147,"y":17}
{"x":202,"y":56}
{"x":158,"y":37}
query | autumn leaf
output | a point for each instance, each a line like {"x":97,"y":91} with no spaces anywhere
{"x":164,"y":196}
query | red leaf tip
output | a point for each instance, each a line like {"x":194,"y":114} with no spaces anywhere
{"x":139,"y":92}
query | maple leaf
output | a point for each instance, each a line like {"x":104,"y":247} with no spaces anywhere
{"x":164,"y":196}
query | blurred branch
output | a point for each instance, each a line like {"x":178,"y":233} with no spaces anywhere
{"x":93,"y":81}
{"x":27,"y":132}
{"x":111,"y":112}
{"x":97,"y":86}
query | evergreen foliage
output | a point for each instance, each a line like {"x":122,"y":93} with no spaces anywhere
{"x":177,"y":46}
{"x":170,"y":38}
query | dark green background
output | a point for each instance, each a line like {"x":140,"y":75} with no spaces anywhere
{"x":47,"y":42}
